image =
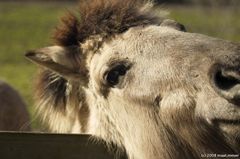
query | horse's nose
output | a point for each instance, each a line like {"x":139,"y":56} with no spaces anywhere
{"x":226,"y":82}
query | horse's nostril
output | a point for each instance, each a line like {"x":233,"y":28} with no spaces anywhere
{"x":227,"y":83}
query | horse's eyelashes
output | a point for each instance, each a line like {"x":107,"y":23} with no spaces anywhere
{"x":112,"y":77}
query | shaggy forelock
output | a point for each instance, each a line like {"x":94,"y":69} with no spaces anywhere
{"x":103,"y":17}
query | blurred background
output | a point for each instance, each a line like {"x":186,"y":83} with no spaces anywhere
{"x":28,"y":24}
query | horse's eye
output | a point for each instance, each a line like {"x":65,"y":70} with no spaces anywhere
{"x":112,"y":77}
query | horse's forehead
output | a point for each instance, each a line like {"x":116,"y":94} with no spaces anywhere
{"x":139,"y":35}
{"x":163,"y":40}
{"x":140,"y":41}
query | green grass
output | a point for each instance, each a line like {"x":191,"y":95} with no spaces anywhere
{"x":29,"y":26}
{"x":24,"y":27}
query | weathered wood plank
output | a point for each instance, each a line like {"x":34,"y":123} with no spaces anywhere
{"x":15,"y":145}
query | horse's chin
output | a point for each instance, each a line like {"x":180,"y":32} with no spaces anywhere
{"x":226,"y":118}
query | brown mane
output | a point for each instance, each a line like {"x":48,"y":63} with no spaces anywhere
{"x":102,"y":17}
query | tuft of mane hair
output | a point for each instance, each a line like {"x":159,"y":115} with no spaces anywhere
{"x":103,"y":17}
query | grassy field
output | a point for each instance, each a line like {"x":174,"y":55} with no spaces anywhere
{"x":28,"y":26}
{"x":24,"y":27}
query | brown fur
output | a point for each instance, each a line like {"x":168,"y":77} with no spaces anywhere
{"x":13,"y":112}
{"x":53,"y":86}
{"x":102,"y":17}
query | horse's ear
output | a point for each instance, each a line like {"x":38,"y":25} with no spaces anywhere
{"x":173,"y":24}
{"x":63,"y":61}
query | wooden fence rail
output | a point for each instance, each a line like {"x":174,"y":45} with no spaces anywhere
{"x":14,"y":145}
